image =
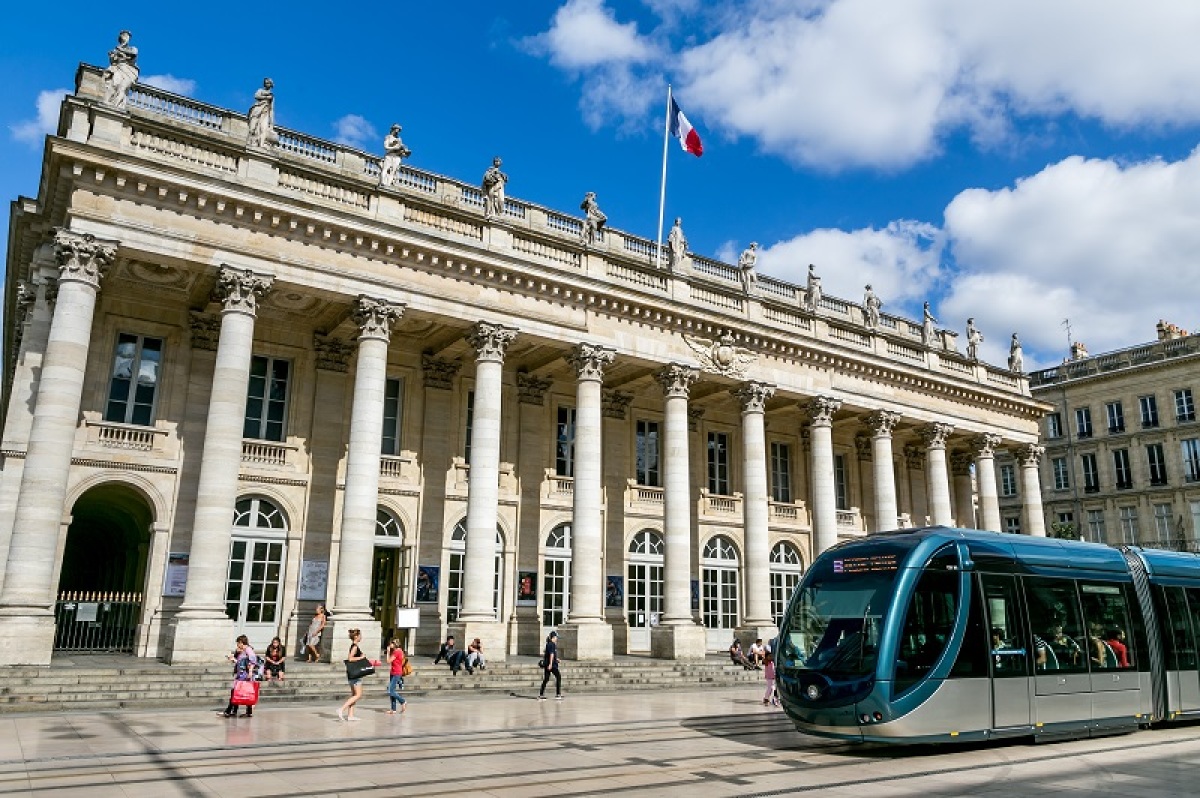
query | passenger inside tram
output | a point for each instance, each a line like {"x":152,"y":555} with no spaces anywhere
{"x":1115,"y":638}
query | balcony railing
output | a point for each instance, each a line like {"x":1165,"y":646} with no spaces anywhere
{"x":130,"y":437}
{"x":265,"y":453}
{"x":720,"y":504}
{"x":644,"y":494}
{"x":558,"y":486}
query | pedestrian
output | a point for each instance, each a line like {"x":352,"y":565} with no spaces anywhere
{"x":245,"y":661}
{"x":550,"y":666}
{"x":396,"y":659}
{"x":346,"y":711}
{"x":312,"y":639}
{"x":770,"y":696}
{"x":273,"y":660}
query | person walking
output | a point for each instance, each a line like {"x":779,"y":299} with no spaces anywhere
{"x":769,"y":697}
{"x":550,"y":666}
{"x":346,"y":711}
{"x":396,"y":659}
{"x":312,"y":639}
{"x":245,"y":662}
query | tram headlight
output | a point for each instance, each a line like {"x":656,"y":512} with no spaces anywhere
{"x":813,"y":692}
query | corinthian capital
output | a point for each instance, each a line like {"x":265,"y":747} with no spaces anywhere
{"x":984,"y":445}
{"x":375,"y":317}
{"x":960,"y":463}
{"x":753,"y":395}
{"x":882,"y":422}
{"x":821,"y":410}
{"x":935,"y":434}
{"x":490,"y":341}
{"x":238,"y":290}
{"x":1030,"y":454}
{"x":82,"y":257}
{"x":531,"y":389}
{"x":676,"y":380}
{"x":589,"y":360}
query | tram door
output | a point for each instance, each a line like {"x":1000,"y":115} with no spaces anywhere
{"x":1062,"y":682}
{"x":1009,"y":651}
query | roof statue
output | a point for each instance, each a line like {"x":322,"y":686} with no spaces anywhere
{"x":394,"y":153}
{"x":746,"y":263}
{"x":262,"y":117}
{"x":812,"y":290}
{"x":974,"y":339}
{"x":928,"y":328}
{"x":593,"y":218}
{"x":1016,"y":359}
{"x":493,"y":189}
{"x":871,"y":307}
{"x":122,"y":71}
{"x":676,"y":246}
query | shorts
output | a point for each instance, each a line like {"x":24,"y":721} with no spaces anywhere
{"x":354,"y":682}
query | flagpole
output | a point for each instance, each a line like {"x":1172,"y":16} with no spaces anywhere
{"x":662,"y":192}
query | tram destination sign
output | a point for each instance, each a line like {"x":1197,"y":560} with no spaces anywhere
{"x":865,"y":565}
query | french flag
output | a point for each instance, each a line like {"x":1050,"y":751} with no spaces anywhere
{"x":682,"y":129}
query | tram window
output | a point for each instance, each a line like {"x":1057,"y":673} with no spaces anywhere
{"x":972,"y":657}
{"x":1173,"y":619}
{"x":1106,"y":612}
{"x":1187,"y":652}
{"x":1008,"y":646}
{"x":929,"y":621}
{"x":1056,"y":624}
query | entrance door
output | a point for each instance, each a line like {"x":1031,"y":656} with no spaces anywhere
{"x":719,"y":591}
{"x":644,"y":588}
{"x":1008,"y":650}
{"x":1062,"y":684}
{"x":385,"y":585}
{"x":254,"y":585}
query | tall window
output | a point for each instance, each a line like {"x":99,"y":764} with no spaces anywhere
{"x":1083,"y":422}
{"x":1121,"y":469}
{"x":781,"y":472}
{"x":647,"y":454}
{"x":786,"y":570}
{"x":266,"y":399}
{"x":1127,"y":517}
{"x":1062,"y":479}
{"x":458,"y":563}
{"x":254,"y":581}
{"x":1191,"y":459}
{"x":1162,"y":522}
{"x":1012,"y":525}
{"x":470,"y":426}
{"x":1091,"y":475}
{"x":1185,"y":408}
{"x":392,"y":393}
{"x":1149,"y":408}
{"x":718,"y":463}
{"x":841,"y":482}
{"x":556,"y":576}
{"x":1095,"y":526}
{"x":1116,"y":417}
{"x":1008,"y":480}
{"x":564,"y":442}
{"x":644,"y":588}
{"x":1053,"y":425}
{"x":719,"y":583}
{"x":134,"y":381}
{"x":1158,"y":464}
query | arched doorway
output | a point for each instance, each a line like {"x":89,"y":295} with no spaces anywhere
{"x":389,"y":572}
{"x":719,"y":603}
{"x":556,"y":578}
{"x":644,"y":587}
{"x":254,"y":585}
{"x":103,"y":570}
{"x":458,"y":562}
{"x":786,"y":570}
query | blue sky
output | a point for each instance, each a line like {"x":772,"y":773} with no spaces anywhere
{"x":1019,"y":162}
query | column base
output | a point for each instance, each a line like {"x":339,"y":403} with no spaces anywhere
{"x":687,"y":642}
{"x":492,"y":634}
{"x":336,"y":637}
{"x":751,"y":632}
{"x":199,"y":640}
{"x":586,"y":642}
{"x":26,"y":639}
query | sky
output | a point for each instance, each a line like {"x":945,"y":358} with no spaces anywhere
{"x":1023,"y":163}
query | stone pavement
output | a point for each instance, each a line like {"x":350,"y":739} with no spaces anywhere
{"x":669,"y":743}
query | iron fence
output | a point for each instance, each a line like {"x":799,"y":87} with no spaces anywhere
{"x":96,"y":621}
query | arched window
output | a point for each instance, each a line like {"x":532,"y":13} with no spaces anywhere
{"x":644,"y":588}
{"x":458,"y":560}
{"x":254,"y":581}
{"x":556,"y":577}
{"x":786,"y":570}
{"x":387,"y":528}
{"x":719,"y":584}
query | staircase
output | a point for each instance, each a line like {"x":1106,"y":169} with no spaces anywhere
{"x":108,"y":682}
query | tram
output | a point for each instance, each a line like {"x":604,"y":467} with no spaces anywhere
{"x":952,"y":635}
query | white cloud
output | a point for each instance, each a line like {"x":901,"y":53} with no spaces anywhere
{"x":184,"y":86}
{"x":355,"y":131}
{"x":585,"y":34}
{"x":32,"y":131}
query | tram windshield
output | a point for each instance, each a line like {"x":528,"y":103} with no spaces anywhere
{"x":838,"y":612}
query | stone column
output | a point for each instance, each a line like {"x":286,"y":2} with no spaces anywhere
{"x":937,"y":478}
{"x":887,"y":513}
{"x":360,"y":501}
{"x":478,"y":616}
{"x":964,"y":492}
{"x":824,"y":491}
{"x":28,"y":597}
{"x":756,"y":617}
{"x":677,"y":636}
{"x":1032,"y":519}
{"x":984,"y":447}
{"x":201,"y":632}
{"x":586,"y":635}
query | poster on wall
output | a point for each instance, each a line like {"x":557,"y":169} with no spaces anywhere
{"x":527,"y":588}
{"x":427,"y":583}
{"x":614,"y":592}
{"x":695,"y":594}
{"x":175,"y":579}
{"x":314,"y":579}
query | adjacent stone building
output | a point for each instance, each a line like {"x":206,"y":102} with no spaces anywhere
{"x":1122,"y":445}
{"x":245,"y":375}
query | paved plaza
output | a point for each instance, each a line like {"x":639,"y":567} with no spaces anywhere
{"x":693,"y":743}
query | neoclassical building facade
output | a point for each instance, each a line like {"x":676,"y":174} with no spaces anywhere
{"x":249,"y":371}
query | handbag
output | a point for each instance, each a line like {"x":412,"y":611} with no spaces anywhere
{"x":358,"y":668}
{"x":407,"y":670}
{"x":245,"y":694}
